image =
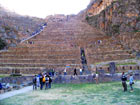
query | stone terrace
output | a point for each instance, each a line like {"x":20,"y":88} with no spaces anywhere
{"x":58,"y":46}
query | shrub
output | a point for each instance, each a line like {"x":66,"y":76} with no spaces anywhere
{"x":2,"y":44}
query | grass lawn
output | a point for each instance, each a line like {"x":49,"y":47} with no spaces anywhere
{"x":4,"y":75}
{"x":79,"y":94}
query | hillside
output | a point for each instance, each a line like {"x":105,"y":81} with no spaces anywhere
{"x":13,"y":27}
{"x":114,"y":16}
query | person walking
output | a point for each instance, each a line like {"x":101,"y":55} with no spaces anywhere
{"x":75,"y":73}
{"x":131,"y":82}
{"x":34,"y":83}
{"x":124,"y":79}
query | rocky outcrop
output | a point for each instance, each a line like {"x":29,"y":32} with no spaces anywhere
{"x":114,"y":16}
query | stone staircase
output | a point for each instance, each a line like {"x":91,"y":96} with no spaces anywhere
{"x":58,"y":46}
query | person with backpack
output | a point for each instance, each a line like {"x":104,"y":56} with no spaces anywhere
{"x":124,"y":79}
{"x":131,"y":82}
{"x":34,"y":83}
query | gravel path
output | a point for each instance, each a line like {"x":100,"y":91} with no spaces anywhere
{"x":15,"y":92}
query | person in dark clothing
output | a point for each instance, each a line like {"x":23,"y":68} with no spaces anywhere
{"x":34,"y":83}
{"x":0,"y":86}
{"x":41,"y":81}
{"x":75,"y":73}
{"x":124,"y":79}
{"x":50,"y":81}
{"x":47,"y":82}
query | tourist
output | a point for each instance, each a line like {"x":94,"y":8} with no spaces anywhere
{"x":34,"y":83}
{"x":50,"y":81}
{"x":41,"y":82}
{"x":38,"y":80}
{"x":81,"y":72}
{"x":75,"y":73}
{"x":124,"y":79}
{"x":65,"y":72}
{"x":47,"y":82}
{"x":96,"y":78}
{"x":131,"y":82}
{"x":0,"y":86}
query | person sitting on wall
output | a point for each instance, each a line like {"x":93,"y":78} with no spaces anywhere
{"x":124,"y":79}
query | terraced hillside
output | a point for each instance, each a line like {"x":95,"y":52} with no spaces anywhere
{"x":59,"y":45}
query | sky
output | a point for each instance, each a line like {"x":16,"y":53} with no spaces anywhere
{"x":43,"y":8}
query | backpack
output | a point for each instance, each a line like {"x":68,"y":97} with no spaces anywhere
{"x":44,"y":79}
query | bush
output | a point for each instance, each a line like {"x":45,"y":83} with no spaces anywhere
{"x":2,"y":44}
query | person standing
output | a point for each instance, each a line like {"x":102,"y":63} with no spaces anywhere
{"x":124,"y":79}
{"x":50,"y":81}
{"x":34,"y":83}
{"x":38,"y":80}
{"x":81,"y":72}
{"x":96,"y":78}
{"x":65,"y":71}
{"x":47,"y":82}
{"x":41,"y":81}
{"x":131,"y":82}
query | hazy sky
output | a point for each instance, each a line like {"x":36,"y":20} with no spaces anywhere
{"x":42,"y":8}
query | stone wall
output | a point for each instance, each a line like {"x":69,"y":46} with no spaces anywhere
{"x":17,"y":80}
{"x":117,"y":17}
{"x":103,"y":77}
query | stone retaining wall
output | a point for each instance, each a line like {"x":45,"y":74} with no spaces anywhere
{"x":17,"y":80}
{"x":103,"y":77}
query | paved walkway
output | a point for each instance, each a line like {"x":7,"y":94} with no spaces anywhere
{"x":15,"y":92}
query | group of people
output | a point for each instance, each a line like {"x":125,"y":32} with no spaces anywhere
{"x":124,"y":79}
{"x":41,"y":80}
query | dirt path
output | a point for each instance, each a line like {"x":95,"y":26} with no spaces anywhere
{"x":15,"y":92}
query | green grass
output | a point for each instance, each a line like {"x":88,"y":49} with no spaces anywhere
{"x":129,"y":63}
{"x":4,"y":75}
{"x":79,"y":94}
